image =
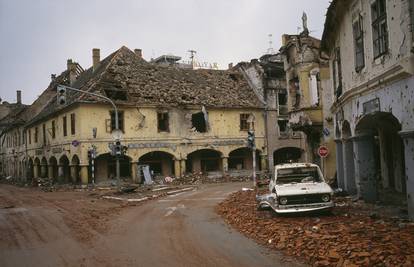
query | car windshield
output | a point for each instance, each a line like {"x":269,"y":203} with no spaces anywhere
{"x":298,"y":175}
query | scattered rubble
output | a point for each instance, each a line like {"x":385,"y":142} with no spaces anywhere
{"x":348,"y":237}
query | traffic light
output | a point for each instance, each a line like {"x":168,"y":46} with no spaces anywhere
{"x":250,"y":139}
{"x":61,"y":95}
{"x":118,"y":148}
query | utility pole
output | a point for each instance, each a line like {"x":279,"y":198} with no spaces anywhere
{"x":116,"y":133}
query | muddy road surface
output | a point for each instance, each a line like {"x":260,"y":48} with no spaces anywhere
{"x":77,"y":229}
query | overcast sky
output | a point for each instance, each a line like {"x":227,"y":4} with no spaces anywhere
{"x":37,"y":37}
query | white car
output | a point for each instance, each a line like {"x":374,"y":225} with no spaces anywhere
{"x":297,"y":187}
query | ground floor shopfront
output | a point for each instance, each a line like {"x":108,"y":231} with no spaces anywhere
{"x":68,"y":164}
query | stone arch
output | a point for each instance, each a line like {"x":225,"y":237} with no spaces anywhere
{"x":75,"y":169}
{"x":242,"y":159}
{"x":105,"y":167}
{"x":30,"y":171}
{"x":379,"y":158}
{"x":287,"y":155}
{"x":64,"y":170}
{"x":36,"y":169}
{"x":43,"y":168}
{"x":161,"y":163}
{"x":205,"y":161}
{"x":53,"y":169}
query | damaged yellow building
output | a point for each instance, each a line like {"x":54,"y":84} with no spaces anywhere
{"x":175,"y":120}
{"x":308,"y":77}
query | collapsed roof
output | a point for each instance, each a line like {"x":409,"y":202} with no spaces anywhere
{"x":130,"y":80}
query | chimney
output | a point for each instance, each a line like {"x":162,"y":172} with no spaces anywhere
{"x":96,"y":58}
{"x":53,"y":77}
{"x":230,"y":65}
{"x":138,"y":52}
{"x":69,"y":63}
{"x":19,"y":96}
{"x":72,"y":71}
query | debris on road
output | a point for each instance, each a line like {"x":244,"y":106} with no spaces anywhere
{"x":349,"y":237}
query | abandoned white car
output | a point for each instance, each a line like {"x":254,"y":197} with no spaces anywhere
{"x":297,"y":187}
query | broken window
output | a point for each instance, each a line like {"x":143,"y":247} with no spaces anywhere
{"x":44,"y":133}
{"x":72,"y":124}
{"x":36,"y":134}
{"x":65,"y":126}
{"x":120,"y":120}
{"x":282,"y":126}
{"x":53,"y":130}
{"x":244,"y":124}
{"x":30,"y":136}
{"x":295,"y":92}
{"x":359,"y":44}
{"x":198,"y":122}
{"x":282,"y":98}
{"x":313,"y":86}
{"x":116,"y":94}
{"x":163,"y":122}
{"x":379,"y":27}
{"x":337,"y":75}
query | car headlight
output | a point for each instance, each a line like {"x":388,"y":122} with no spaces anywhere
{"x":326,"y":198}
{"x":283,"y":200}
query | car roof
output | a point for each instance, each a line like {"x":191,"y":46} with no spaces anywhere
{"x":294,"y":165}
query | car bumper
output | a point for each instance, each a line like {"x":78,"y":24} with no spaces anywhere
{"x":303,"y":208}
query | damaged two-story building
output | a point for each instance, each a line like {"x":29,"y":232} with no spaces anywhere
{"x":307,"y":77}
{"x":267,"y":79}
{"x":370,"y":45}
{"x":174,"y":120}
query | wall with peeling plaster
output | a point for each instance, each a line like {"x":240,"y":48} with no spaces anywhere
{"x":400,"y":42}
{"x":140,"y":126}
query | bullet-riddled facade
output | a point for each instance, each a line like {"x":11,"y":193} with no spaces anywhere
{"x":370,"y":45}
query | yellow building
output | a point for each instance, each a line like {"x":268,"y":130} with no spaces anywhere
{"x":175,"y":120}
{"x":307,"y":74}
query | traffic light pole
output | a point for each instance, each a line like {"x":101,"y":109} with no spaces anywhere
{"x":254,"y":165}
{"x":118,"y":175}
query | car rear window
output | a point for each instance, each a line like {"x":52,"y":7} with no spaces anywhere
{"x":298,"y":175}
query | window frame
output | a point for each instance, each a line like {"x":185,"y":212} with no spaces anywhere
{"x":380,"y":42}
{"x":65,"y":126}
{"x":338,"y":73}
{"x":36,"y":134}
{"x":44,"y":133}
{"x":167,"y":119}
{"x":120,"y":120}
{"x":244,"y":125}
{"x":359,"y":49}
{"x":72,"y":124}
{"x":53,"y":129}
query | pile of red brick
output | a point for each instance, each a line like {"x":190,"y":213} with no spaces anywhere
{"x":345,"y":238}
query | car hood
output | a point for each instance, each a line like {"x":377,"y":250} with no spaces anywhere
{"x":303,"y":188}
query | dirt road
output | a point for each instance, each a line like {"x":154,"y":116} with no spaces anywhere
{"x":74,"y":229}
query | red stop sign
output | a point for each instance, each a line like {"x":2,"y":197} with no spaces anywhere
{"x":323,"y":151}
